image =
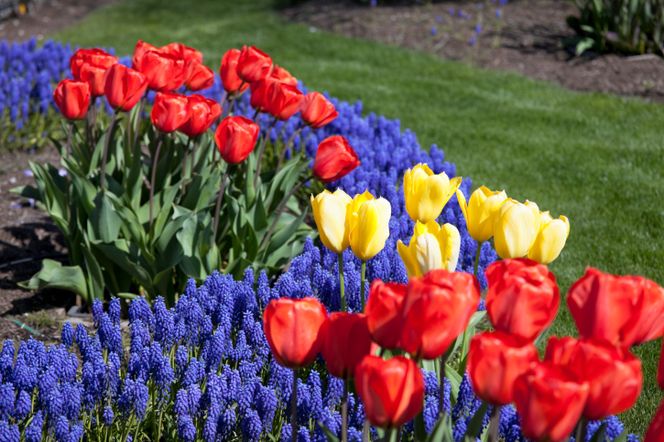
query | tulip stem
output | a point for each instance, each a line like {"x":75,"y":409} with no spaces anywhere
{"x":217,"y":207}
{"x":366,"y":431}
{"x":581,"y":430}
{"x":344,"y":413}
{"x":291,"y":139}
{"x":153,"y":177}
{"x":294,"y":408}
{"x":278,"y":212}
{"x":477,"y":259}
{"x":441,"y":388}
{"x":494,"y":424}
{"x":342,"y":285}
{"x":363,"y":280}
{"x":70,"y":137}
{"x":261,"y":151}
{"x":104,"y":156}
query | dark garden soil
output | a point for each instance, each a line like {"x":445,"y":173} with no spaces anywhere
{"x":530,"y":37}
{"x":47,"y":16}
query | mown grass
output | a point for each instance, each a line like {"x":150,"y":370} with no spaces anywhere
{"x":595,"y":158}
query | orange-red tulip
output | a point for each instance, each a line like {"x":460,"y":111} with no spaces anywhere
{"x":318,"y":111}
{"x":169,"y":112}
{"x":124,"y":87}
{"x":253,"y":64}
{"x":623,"y":310}
{"x":72,"y":98}
{"x":384,"y":312}
{"x":281,"y":74}
{"x":228,"y":72}
{"x":283,"y":99}
{"x":95,"y":77}
{"x":346,"y":340}
{"x":549,"y":401}
{"x":184,"y":52}
{"x":436,"y":310}
{"x":392,"y":391}
{"x":236,"y":138}
{"x":522,"y":297}
{"x":335,"y":158}
{"x":203,"y":112}
{"x":165,"y":72}
{"x":95,"y":57}
{"x":292,"y":328}
{"x":140,"y":50}
{"x":614,"y":376}
{"x":495,"y":362}
{"x":200,"y":77}
{"x":260,"y":99}
{"x":655,"y":431}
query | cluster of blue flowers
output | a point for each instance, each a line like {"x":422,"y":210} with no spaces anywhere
{"x":202,"y":370}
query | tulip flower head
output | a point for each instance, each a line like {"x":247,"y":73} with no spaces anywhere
{"x":203,"y":112}
{"x":90,"y":65}
{"x":655,"y":432}
{"x":318,"y":111}
{"x":392,"y":391}
{"x":427,"y":193}
{"x":516,"y":228}
{"x":346,"y":341}
{"x":329,"y":210}
{"x":368,"y":225}
{"x":236,"y":138}
{"x":613,"y":375}
{"x":72,"y":98}
{"x":522,"y":297}
{"x":282,"y":99}
{"x":164,"y":71}
{"x":436,"y":310}
{"x":124,"y":87}
{"x":384,"y":312}
{"x":550,"y":240}
{"x":495,"y":361}
{"x":282,"y":75}
{"x":169,"y":112}
{"x":139,"y":51}
{"x":200,"y":77}
{"x":481,"y":211}
{"x":431,"y":247}
{"x":253,"y":64}
{"x":293,"y":330}
{"x":335,"y":158}
{"x":230,"y":79}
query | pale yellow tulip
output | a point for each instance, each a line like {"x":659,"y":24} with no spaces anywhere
{"x":550,"y":240}
{"x":368,"y":225}
{"x":431,"y":247}
{"x":516,"y":228}
{"x":427,"y":193}
{"x":330,"y":217}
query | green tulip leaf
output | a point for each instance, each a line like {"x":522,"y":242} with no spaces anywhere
{"x":53,"y":275}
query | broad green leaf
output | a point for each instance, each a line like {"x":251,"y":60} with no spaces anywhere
{"x":53,"y":275}
{"x":105,"y":220}
{"x":475,"y":425}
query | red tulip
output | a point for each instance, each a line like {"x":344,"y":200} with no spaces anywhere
{"x":140,"y":50}
{"x":335,"y":158}
{"x":183,"y":52}
{"x":72,"y":98}
{"x":614,"y":376}
{"x":522,"y":298}
{"x":236,"y":138}
{"x":495,"y":361}
{"x":95,"y":77}
{"x":283,"y":99}
{"x":203,"y":112}
{"x":169,"y":112}
{"x":392,"y":391}
{"x":655,"y":431}
{"x":260,"y":99}
{"x":549,"y":402}
{"x":228,"y":72}
{"x":94,"y":57}
{"x":292,"y":328}
{"x":317,"y":111}
{"x":124,"y":87}
{"x":164,"y":72}
{"x":436,"y":310}
{"x":383,"y":311}
{"x":346,"y":340}
{"x":200,"y":77}
{"x":281,"y":74}
{"x":660,"y":368}
{"x":253,"y":64}
{"x":623,"y":310}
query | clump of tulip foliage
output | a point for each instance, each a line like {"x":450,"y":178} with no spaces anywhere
{"x":433,"y":322}
{"x":156,"y":193}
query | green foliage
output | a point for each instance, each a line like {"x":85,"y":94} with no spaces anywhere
{"x":115,"y":244}
{"x":31,"y":133}
{"x":624,"y":26}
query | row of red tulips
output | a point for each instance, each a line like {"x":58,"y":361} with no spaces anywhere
{"x":579,"y":379}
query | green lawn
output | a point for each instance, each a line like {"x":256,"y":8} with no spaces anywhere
{"x":595,"y":158}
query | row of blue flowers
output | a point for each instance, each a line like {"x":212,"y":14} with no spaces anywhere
{"x":202,"y":370}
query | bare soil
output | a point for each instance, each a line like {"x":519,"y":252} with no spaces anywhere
{"x":530,"y":37}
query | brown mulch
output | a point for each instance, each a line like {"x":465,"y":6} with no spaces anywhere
{"x":530,"y":37}
{"x":46,"y":17}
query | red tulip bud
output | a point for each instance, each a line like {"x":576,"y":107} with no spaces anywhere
{"x":292,"y":328}
{"x":72,"y":98}
{"x":283,"y":99}
{"x":281,"y":74}
{"x":383,"y":309}
{"x":169,"y":111}
{"x":94,"y":57}
{"x":140,"y":50}
{"x":124,"y":87}
{"x":164,"y":72}
{"x":346,"y":340}
{"x":228,"y":72}
{"x":200,"y":77}
{"x":203,"y":112}
{"x":236,"y":138}
{"x":253,"y":64}
{"x":335,"y":158}
{"x":317,"y":111}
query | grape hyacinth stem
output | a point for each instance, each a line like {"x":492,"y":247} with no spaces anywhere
{"x":342,"y":288}
{"x":494,"y":424}
{"x":294,"y":429}
{"x":104,"y":156}
{"x":153,"y":177}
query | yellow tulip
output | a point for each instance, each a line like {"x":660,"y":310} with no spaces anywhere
{"x":431,"y":247}
{"x":330,"y":216}
{"x":550,"y":240}
{"x":426,"y":193}
{"x":516,"y":228}
{"x":367,"y":223}
{"x":481,"y":211}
